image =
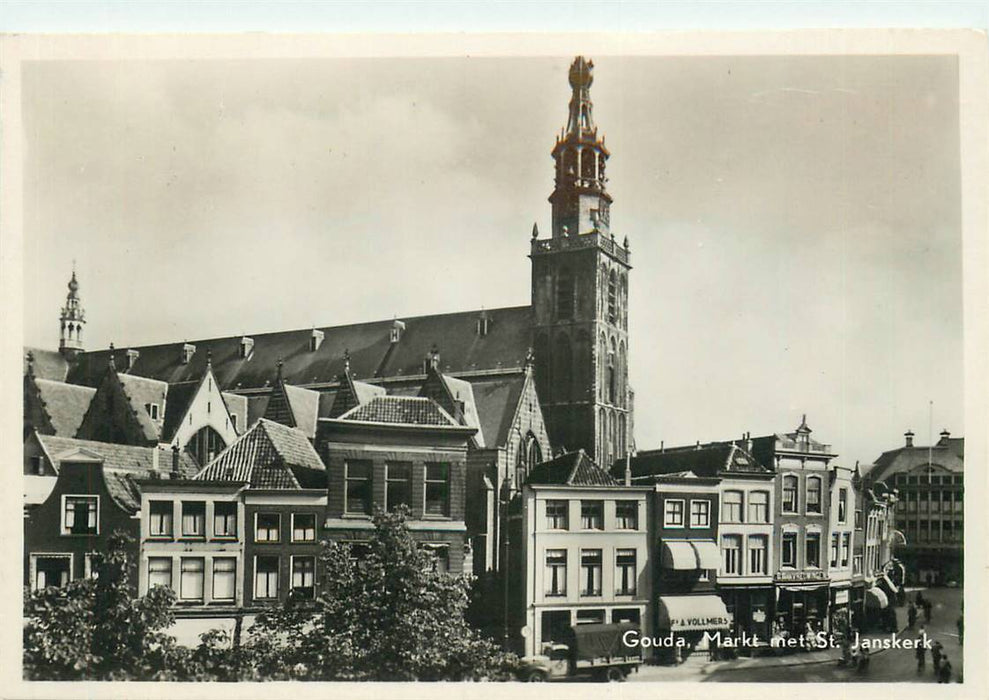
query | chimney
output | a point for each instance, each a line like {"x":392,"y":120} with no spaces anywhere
{"x":315,"y":340}
{"x":748,"y":442}
{"x":945,"y":435}
{"x":397,"y":328}
{"x":628,"y":468}
{"x":698,"y":445}
{"x":188,"y":350}
{"x":246,"y":347}
{"x":909,"y":438}
{"x":154,"y":461}
{"x":132,"y":356}
{"x":662,"y":446}
{"x":175,"y":462}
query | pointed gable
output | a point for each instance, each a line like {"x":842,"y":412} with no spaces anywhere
{"x":269,"y":456}
{"x":55,"y":408}
{"x":352,"y":394}
{"x":293,"y":406}
{"x":117,"y":412}
{"x":456,"y":396}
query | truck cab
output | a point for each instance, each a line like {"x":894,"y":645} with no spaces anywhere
{"x":596,"y":650}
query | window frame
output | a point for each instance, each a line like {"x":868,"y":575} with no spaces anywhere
{"x":33,"y":563}
{"x":406,"y":482}
{"x":787,"y":478}
{"x":726,"y":511}
{"x":737,"y":569}
{"x":621,"y":520}
{"x":842,"y":505}
{"x":763,"y":541}
{"x":311,"y":595}
{"x":182,"y":597}
{"x":592,"y":573}
{"x":278,"y":578}
{"x":66,"y":529}
{"x":202,"y":521}
{"x":549,"y":573}
{"x":170,"y":534}
{"x":819,"y":490}
{"x":233,"y":576}
{"x":810,"y":537}
{"x":295,"y":528}
{"x":751,"y":502}
{"x":553,"y":519}
{"x":236,"y":520}
{"x":792,"y":536}
{"x":667,"y":521}
{"x":350,"y":480}
{"x":278,"y":527}
{"x":446,"y":483}
{"x":171,"y":572}
{"x":598,"y":517}
{"x":626,"y":571}
{"x":707,"y":514}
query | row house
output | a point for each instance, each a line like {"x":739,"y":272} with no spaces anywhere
{"x":842,"y":535}
{"x":584,"y":540}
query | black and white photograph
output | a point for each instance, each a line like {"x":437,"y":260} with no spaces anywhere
{"x":614,"y":360}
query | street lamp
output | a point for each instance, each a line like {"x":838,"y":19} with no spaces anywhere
{"x":505,"y":497}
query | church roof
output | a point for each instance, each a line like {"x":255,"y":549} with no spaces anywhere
{"x":497,"y":400}
{"x":269,"y":456}
{"x":372,"y":354}
{"x":180,"y":396}
{"x":65,"y":404}
{"x":142,"y":391}
{"x":48,"y":364}
{"x":570,"y":469}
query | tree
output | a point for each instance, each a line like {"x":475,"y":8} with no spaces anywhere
{"x":388,"y":615}
{"x":94,"y":629}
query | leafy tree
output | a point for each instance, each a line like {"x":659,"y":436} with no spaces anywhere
{"x":387,"y":616}
{"x":94,"y":629}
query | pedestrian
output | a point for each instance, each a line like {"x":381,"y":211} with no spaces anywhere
{"x":944,"y":673}
{"x":921,"y":650}
{"x":911,"y":615}
{"x":961,"y":629}
{"x":927,"y":610}
{"x":937,"y":650}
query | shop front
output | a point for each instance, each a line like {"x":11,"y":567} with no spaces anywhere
{"x":840,"y":617}
{"x":685,"y":619}
{"x":751,"y":610}
{"x":801,"y":605}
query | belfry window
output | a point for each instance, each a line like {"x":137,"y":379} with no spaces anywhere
{"x":612,"y":299}
{"x":564,"y":295}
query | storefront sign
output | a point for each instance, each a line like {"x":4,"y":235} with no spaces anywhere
{"x":841,"y":597}
{"x":699,"y":623}
{"x":801,"y":576}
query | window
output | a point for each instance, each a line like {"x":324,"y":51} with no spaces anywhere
{"x":834,"y":549}
{"x":193,"y":519}
{"x":224,"y":578}
{"x":303,"y":527}
{"x":152,"y":409}
{"x":438,"y":489}
{"x":398,"y":485}
{"x":625,"y":571}
{"x":556,"y":572}
{"x":592,"y":515}
{"x":857,"y":565}
{"x":758,"y":544}
{"x":911,"y":502}
{"x":233,"y":421}
{"x":81,"y":515}
{"x":225,"y":519}
{"x":612,"y":299}
{"x":846,"y":546}
{"x":759,"y":507}
{"x":789,"y":494}
{"x":731,"y":553}
{"x":673,"y":512}
{"x":205,"y":445}
{"x":731,"y":508}
{"x":358,"y":487}
{"x":191,"y":583}
{"x":789,"y":552}
{"x":265,"y":577}
{"x":557,"y":517}
{"x":440,"y":557}
{"x":700,"y":513}
{"x":160,"y":514}
{"x":304,"y":576}
{"x":92,"y":563}
{"x":159,"y":572}
{"x":813,"y":494}
{"x":590,"y":572}
{"x":589,"y":617}
{"x":935,"y":502}
{"x":625,"y":615}
{"x":51,"y":570}
{"x":266,"y":527}
{"x":842,"y":505}
{"x":858,"y":519}
{"x":813,"y":550}
{"x":627,"y":515}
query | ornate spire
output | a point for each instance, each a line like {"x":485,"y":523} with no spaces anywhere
{"x":581,"y":122}
{"x":71,"y":320}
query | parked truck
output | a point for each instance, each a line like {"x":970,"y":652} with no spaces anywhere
{"x":596,"y":650}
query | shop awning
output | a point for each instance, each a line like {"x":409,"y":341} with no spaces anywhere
{"x":683,"y":613}
{"x":679,"y":555}
{"x":707,"y":554}
{"x":876,"y":599}
{"x":887,"y":583}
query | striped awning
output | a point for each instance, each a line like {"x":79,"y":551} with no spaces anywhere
{"x":708,"y":554}
{"x":683,"y":613}
{"x":679,"y":555}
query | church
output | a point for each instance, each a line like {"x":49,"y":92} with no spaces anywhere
{"x":529,"y":381}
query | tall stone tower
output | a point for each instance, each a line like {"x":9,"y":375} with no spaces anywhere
{"x":72,"y":318}
{"x":580,"y":295}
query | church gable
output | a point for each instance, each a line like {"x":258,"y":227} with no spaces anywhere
{"x":114,"y":417}
{"x":194,"y":406}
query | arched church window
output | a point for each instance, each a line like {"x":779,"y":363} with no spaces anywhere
{"x":582,"y":365}
{"x":205,"y":445}
{"x":564,"y":294}
{"x":610,"y":377}
{"x":570,"y":163}
{"x":612,"y":298}
{"x":528,"y":454}
{"x":563,"y":368}
{"x":587,"y":163}
{"x":622,"y":375}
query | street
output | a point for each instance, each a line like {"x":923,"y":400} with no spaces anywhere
{"x":887,"y":666}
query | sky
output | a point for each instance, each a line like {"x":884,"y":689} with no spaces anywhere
{"x":794,"y":221}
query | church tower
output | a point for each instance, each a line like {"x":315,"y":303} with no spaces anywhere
{"x":580,"y":295}
{"x":73,"y":318}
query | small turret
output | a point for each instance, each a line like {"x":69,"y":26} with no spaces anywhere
{"x":72,"y":320}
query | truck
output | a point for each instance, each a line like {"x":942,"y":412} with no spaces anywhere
{"x":598,"y":651}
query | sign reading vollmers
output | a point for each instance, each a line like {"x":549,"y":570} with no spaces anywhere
{"x":699,"y":623}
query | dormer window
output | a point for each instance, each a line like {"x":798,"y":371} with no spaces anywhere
{"x":315,"y":340}
{"x":246,"y":347}
{"x":483,"y":322}
{"x":188,"y":350}
{"x":397,"y":328}
{"x":152,"y":409}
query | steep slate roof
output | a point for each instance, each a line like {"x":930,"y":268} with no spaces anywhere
{"x":350,"y":394}
{"x":237,"y":406}
{"x":456,"y":397}
{"x":142,"y":391}
{"x":371,"y":352}
{"x":948,"y":453}
{"x":48,"y":364}
{"x":180,"y":396}
{"x":570,"y":469}
{"x":400,"y":410}
{"x":708,"y":460}
{"x":268,"y":456}
{"x":65,"y":404}
{"x":497,"y":400}
{"x":305,"y":408}
{"x":122,"y":464}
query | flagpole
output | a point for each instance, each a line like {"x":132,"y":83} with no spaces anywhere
{"x":930,"y":438}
